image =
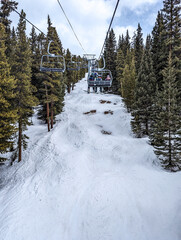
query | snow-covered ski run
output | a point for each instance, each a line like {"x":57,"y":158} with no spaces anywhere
{"x":89,"y":179}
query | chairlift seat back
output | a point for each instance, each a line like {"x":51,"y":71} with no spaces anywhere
{"x":52,"y":63}
{"x":103,"y":78}
{"x":73,"y":66}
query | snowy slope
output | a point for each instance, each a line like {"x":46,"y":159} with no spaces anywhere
{"x":89,"y":179}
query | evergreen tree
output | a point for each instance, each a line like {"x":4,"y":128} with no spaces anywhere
{"x":133,"y":40}
{"x":119,"y":69}
{"x":22,"y":71}
{"x":8,"y":115}
{"x":57,"y":89}
{"x":171,"y":12}
{"x":128,"y":80}
{"x":144,"y":93}
{"x":75,"y":74}
{"x":121,"y":42}
{"x":5,"y":10}
{"x":35,"y":57}
{"x":166,"y":127}
{"x":126,"y":43}
{"x":138,"y":47}
{"x":124,"y":57}
{"x":54,"y":87}
{"x":37,"y":45}
{"x":172,"y":19}
{"x":110,"y":58}
{"x":68,"y":74}
{"x":159,"y":49}
{"x":11,"y":56}
{"x":13,"y":47}
{"x":33,"y":41}
{"x":83,"y":69}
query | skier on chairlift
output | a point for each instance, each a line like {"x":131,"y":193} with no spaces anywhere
{"x":108,"y":78}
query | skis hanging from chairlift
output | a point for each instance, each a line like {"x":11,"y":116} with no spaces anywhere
{"x":52,"y":62}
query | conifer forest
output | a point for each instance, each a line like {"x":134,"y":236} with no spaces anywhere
{"x":146,"y":75}
{"x":90,"y":146}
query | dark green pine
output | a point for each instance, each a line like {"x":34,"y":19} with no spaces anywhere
{"x":144,"y":93}
{"x":138,"y":47}
{"x":110,"y":58}
{"x":119,"y":69}
{"x":128,"y":80}
{"x":25,"y":99}
{"x":53,"y":81}
{"x":165,"y":134}
{"x":68,"y":73}
{"x":8,"y":113}
{"x":172,"y":19}
{"x":5,"y":11}
{"x":159,"y":49}
{"x":126,"y":43}
{"x":37,"y":46}
{"x":120,"y":42}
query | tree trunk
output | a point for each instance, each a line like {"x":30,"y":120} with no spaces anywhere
{"x":169,"y":127}
{"x":51,"y":114}
{"x":170,"y":149}
{"x":20,"y":140}
{"x":68,"y":88}
{"x":48,"y":111}
{"x":147,"y":127}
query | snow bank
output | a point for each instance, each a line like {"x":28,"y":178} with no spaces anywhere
{"x":89,"y":179}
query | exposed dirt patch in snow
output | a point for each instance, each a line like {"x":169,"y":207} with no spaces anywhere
{"x":104,"y":101}
{"x":108,"y":112}
{"x":106,"y":132}
{"x":91,"y":112}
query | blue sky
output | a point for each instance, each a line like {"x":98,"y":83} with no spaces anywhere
{"x":90,"y":19}
{"x":145,"y":15}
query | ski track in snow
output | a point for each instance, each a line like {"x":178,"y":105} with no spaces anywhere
{"x":76,"y":183}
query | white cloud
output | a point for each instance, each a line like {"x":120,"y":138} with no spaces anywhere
{"x":122,"y":30}
{"x":151,"y":19}
{"x":90,"y":19}
{"x":133,"y":4}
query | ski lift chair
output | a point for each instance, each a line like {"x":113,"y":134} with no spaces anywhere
{"x":73,"y":65}
{"x":103,"y":79}
{"x":84,"y":64}
{"x":52,"y":62}
{"x":95,"y":65}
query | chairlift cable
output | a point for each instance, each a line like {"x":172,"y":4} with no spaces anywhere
{"x":109,"y":27}
{"x":25,"y":19}
{"x":71,"y":25}
{"x":28,"y":20}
